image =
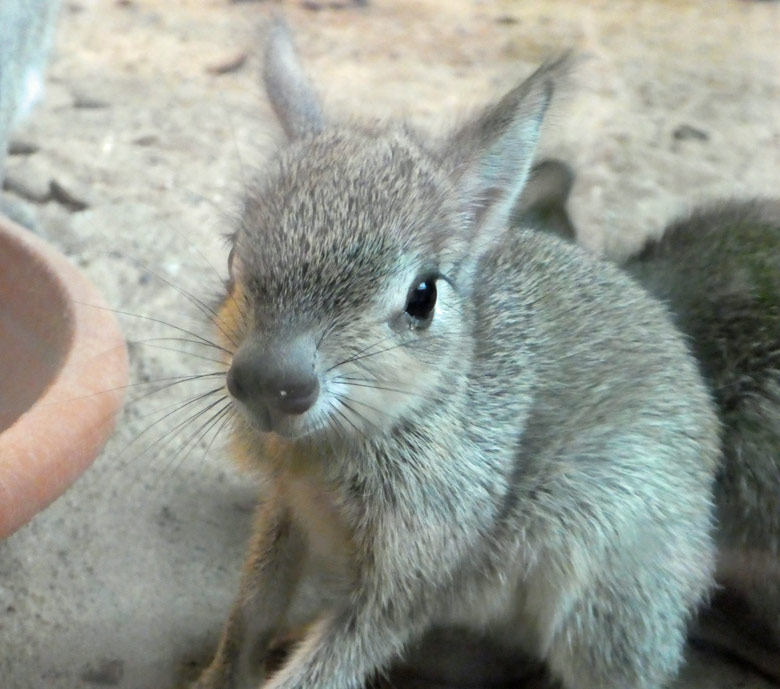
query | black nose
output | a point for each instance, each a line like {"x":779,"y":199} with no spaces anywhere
{"x":277,"y":377}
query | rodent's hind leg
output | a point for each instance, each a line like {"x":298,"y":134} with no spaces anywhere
{"x":621,"y":634}
{"x":268,"y":584}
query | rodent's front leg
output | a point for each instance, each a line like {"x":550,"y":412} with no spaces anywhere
{"x":391,"y":602}
{"x":342,"y":651}
{"x":268,"y":582}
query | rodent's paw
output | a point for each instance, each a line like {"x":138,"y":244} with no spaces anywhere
{"x":212,"y":680}
{"x":219,"y":679}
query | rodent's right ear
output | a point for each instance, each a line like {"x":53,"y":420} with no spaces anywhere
{"x":291,"y":95}
{"x":542,"y":203}
{"x":491,"y":155}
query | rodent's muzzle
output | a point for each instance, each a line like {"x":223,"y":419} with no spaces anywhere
{"x":274,"y":381}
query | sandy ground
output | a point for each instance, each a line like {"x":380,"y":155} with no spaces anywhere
{"x":125,"y":580}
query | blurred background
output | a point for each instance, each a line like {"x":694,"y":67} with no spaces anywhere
{"x":153,"y":121}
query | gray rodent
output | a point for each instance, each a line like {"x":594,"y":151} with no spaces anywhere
{"x":458,"y":425}
{"x":718,"y":270}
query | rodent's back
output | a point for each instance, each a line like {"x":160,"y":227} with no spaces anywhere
{"x":602,"y":364}
{"x":580,"y":377}
{"x":718,"y":272}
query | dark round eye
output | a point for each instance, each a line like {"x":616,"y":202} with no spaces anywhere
{"x":421,"y":302}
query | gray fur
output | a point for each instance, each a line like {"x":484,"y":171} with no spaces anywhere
{"x":536,"y":464}
{"x":718,"y":269}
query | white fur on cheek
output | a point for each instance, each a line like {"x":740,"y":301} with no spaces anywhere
{"x":395,"y":373}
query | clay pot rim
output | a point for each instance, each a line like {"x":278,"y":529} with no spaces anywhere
{"x":52,"y":443}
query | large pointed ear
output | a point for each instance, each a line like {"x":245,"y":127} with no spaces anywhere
{"x":492,"y":154}
{"x":291,"y":95}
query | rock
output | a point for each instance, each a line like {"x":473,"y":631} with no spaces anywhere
{"x":228,"y":65}
{"x":86,"y":101}
{"x":687,"y":132}
{"x":22,"y":147}
{"x":147,"y":140}
{"x":67,"y":197}
{"x":29,"y":179}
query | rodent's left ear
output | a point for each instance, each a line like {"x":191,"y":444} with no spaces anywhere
{"x":490,"y":156}
{"x":292,"y":96}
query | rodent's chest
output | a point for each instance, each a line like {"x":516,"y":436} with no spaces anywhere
{"x":314,"y":510}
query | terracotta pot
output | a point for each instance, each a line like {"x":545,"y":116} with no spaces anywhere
{"x":63,"y":367}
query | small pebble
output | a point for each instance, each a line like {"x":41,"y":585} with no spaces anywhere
{"x":67,"y":198}
{"x":686,"y":131}
{"x":84,"y":101}
{"x":20,"y":147}
{"x":29,"y":183}
{"x":232,"y":64}
{"x":147,"y":140}
{"x":315,"y":6}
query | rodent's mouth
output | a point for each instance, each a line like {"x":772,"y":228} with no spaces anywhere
{"x":335,"y":414}
{"x":290,"y":426}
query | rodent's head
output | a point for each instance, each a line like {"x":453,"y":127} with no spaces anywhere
{"x":353,"y":263}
